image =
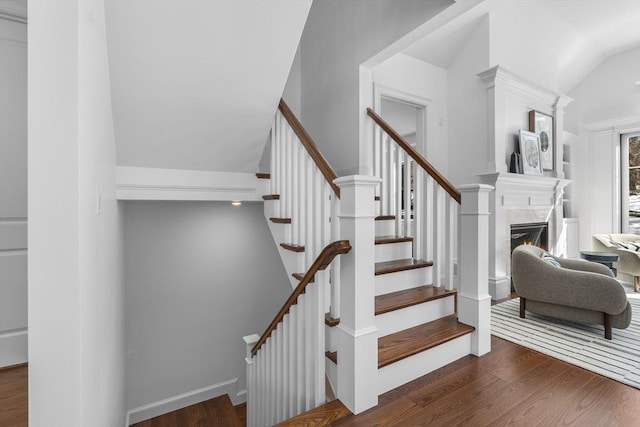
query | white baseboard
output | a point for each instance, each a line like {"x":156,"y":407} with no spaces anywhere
{"x":13,"y":347}
{"x":241,"y":397}
{"x":174,"y":403}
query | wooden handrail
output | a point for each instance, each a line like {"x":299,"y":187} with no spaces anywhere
{"x":322,"y":261}
{"x":310,"y":146}
{"x":417,"y":157}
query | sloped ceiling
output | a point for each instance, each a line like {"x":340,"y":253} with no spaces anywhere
{"x":195,"y":84}
{"x":587,"y":32}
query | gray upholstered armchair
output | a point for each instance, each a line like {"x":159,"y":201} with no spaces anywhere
{"x":576,"y":290}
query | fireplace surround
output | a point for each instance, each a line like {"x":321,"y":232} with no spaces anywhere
{"x":520,"y":199}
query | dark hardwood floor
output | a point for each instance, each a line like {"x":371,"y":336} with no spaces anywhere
{"x":511,"y":385}
{"x":13,"y":397}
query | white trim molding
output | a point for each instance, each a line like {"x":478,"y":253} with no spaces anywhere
{"x":134,"y":183}
{"x":14,"y":10}
{"x":174,"y":403}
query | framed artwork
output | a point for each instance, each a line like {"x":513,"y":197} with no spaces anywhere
{"x":542,"y":125}
{"x":530,"y":153}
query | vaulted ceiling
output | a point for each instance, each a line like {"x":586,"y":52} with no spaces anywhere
{"x":578,"y":34}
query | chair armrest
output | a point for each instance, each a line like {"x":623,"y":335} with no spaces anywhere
{"x":629,"y":261}
{"x":584,"y":265}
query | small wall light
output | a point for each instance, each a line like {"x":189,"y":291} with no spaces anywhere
{"x":236,"y":203}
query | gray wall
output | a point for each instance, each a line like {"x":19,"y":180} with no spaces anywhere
{"x":199,"y":276}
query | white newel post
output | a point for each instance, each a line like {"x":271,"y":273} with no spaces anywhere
{"x":357,"y":334}
{"x":474,"y":301}
{"x":250,"y":341}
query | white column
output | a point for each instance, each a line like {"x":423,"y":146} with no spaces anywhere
{"x":250,"y":341}
{"x":357,"y":334}
{"x":474,"y":301}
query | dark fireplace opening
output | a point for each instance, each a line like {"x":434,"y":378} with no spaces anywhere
{"x":535,"y":233}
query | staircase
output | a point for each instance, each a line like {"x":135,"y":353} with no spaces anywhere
{"x":416,"y":321}
{"x":401,"y":318}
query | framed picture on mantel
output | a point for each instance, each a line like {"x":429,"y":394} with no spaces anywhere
{"x":530,"y":153}
{"x":542,"y":125}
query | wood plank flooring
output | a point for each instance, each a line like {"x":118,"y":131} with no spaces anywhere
{"x":13,"y":397}
{"x":511,"y":385}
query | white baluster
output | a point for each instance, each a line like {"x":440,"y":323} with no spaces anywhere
{"x":301,"y":355}
{"x":319,"y":339}
{"x":271,"y":417}
{"x":390,"y":177}
{"x":408,"y":168}
{"x":398,"y":191}
{"x":377,"y":160}
{"x":309,"y":349}
{"x":418,"y":216}
{"x":293,"y":360}
{"x":335,"y":266}
{"x":295,"y":184}
{"x":439,"y":236}
{"x":289,"y":177}
{"x":384,"y":187}
{"x":429,"y":215}
{"x":272,"y":159}
{"x":449,"y":240}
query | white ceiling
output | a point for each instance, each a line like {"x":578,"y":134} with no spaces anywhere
{"x":590,"y":31}
{"x":195,"y":84}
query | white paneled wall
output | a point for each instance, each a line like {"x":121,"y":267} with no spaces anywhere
{"x":13,"y":192}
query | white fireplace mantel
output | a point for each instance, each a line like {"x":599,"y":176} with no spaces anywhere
{"x":519,"y":199}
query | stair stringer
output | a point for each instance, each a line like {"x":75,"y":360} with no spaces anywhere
{"x":281,"y":233}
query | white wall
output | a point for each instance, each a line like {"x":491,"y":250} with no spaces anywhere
{"x":199,"y":276}
{"x":468,"y":145}
{"x":13,"y":192}
{"x":338,"y":37}
{"x":76,"y":309}
{"x":417,"y":78}
{"x":606,"y":104}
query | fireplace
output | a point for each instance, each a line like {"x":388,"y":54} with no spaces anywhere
{"x":534,"y":233}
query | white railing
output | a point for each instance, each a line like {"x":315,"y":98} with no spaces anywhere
{"x":424,"y":204}
{"x":286,"y":365}
{"x":304,"y":182}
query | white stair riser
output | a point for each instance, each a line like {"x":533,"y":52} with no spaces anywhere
{"x":385,"y":227}
{"x":408,"y":317}
{"x":331,"y":338}
{"x":393,"y":251}
{"x":263,"y":187}
{"x":420,"y":364}
{"x":400,"y":280}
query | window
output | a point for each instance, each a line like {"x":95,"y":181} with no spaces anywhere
{"x":630,"y":188}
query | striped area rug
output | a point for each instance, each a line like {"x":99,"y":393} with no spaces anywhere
{"x":579,"y":344}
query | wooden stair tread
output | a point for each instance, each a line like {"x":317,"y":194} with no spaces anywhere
{"x":383,"y":240}
{"x":323,"y":415}
{"x":384,"y":217}
{"x":400,"y":265}
{"x":271,"y":197}
{"x":331,"y":321}
{"x":291,"y":247}
{"x":397,"y":346}
{"x":332,"y":355}
{"x":280,"y":220}
{"x":263,"y":175}
{"x":408,"y":297}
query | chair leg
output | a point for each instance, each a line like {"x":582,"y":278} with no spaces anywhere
{"x":523,"y":304}
{"x":636,"y":283}
{"x":607,"y":326}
